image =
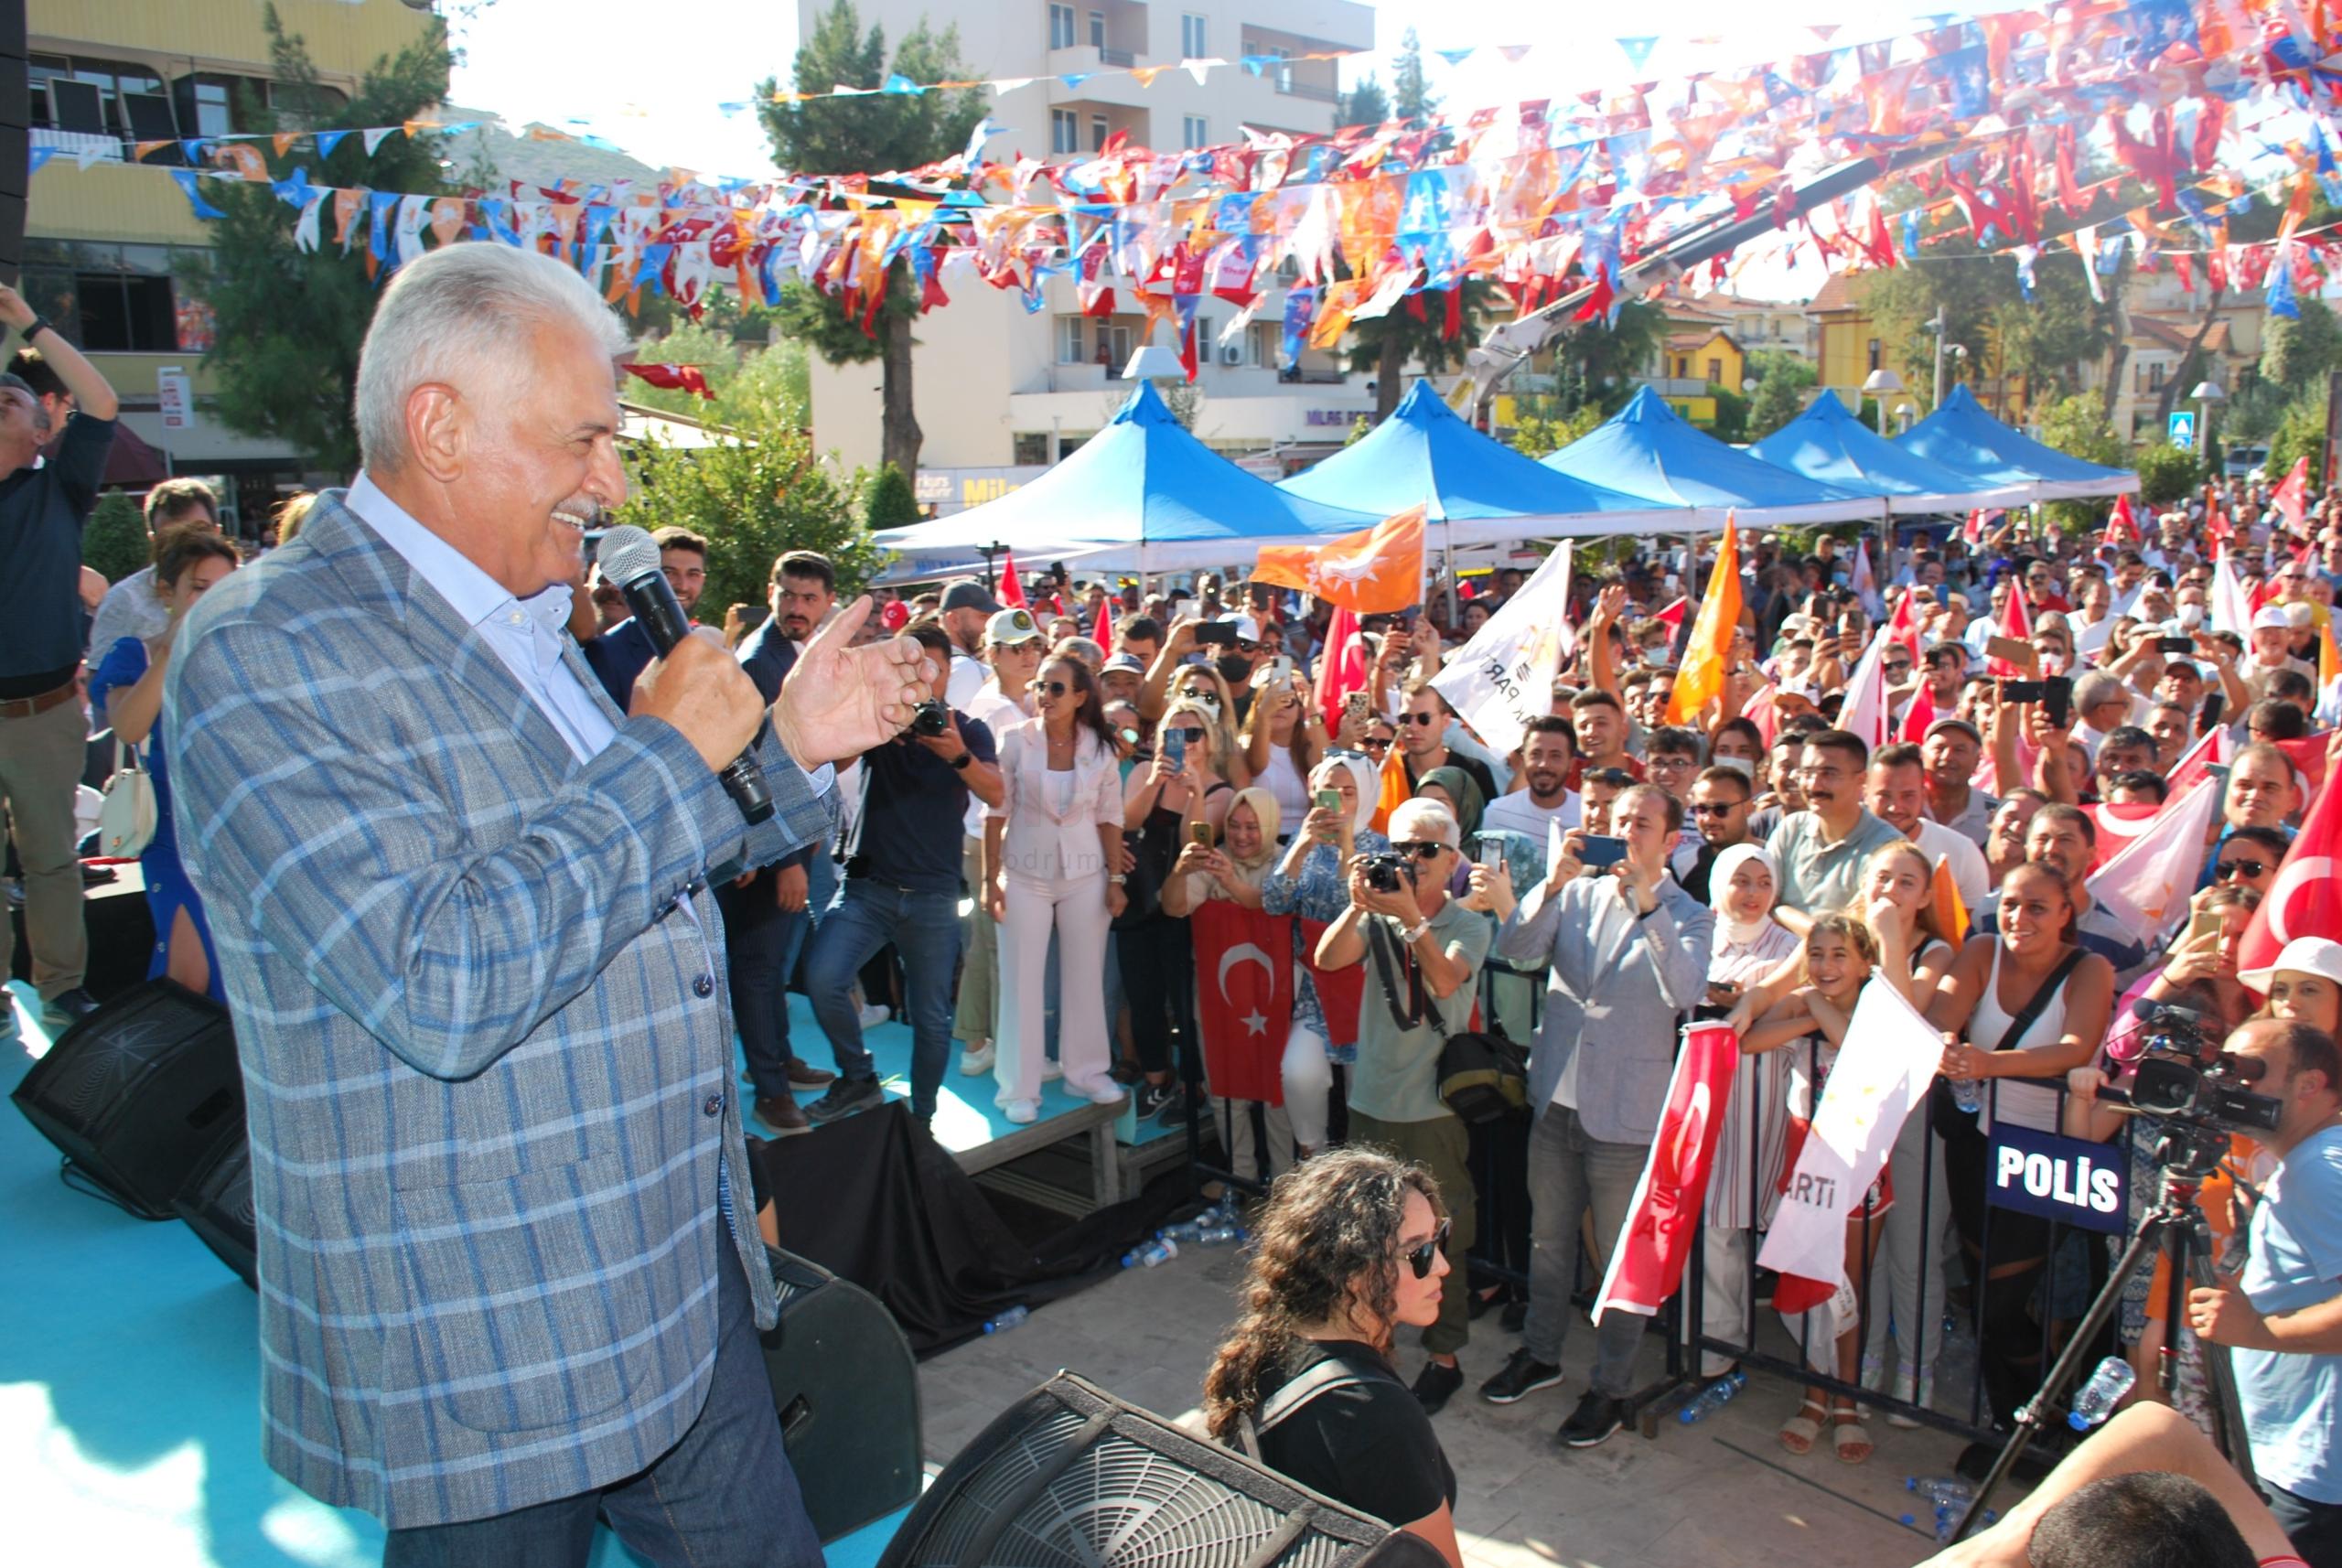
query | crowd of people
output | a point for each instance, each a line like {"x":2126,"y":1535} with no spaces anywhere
{"x":1097,"y":786}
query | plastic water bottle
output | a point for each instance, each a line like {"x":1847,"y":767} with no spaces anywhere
{"x":1968,"y":1094}
{"x":1008,"y":1320}
{"x":1942,"y":1491}
{"x":1185,"y":1231}
{"x":1219,"y":1235}
{"x":2097,"y":1398}
{"x":1157,"y":1252}
{"x":1712,"y":1398}
{"x":1947,"y":1520}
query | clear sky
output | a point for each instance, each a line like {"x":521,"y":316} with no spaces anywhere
{"x":653,"y":79}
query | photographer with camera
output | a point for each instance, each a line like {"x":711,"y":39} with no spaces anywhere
{"x":1628,"y":954}
{"x":902,"y":885}
{"x":1423,"y":950}
{"x":2282,"y":1317}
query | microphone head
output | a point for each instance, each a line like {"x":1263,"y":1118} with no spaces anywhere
{"x":627,"y":554}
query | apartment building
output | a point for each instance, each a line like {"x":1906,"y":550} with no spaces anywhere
{"x":999,"y":389}
{"x":107,"y":244}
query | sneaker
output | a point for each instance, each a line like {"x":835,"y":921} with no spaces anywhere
{"x":845,"y":1096}
{"x":68,"y":1008}
{"x":873,"y":1015}
{"x":1105,"y":1091}
{"x":1435,"y":1385}
{"x":783,"y":1114}
{"x":803,"y":1074}
{"x":1153,"y":1097}
{"x":976,"y":1060}
{"x":1523,"y":1375}
{"x":1182,"y":1108}
{"x":1596,"y":1421}
{"x":1022,"y":1111}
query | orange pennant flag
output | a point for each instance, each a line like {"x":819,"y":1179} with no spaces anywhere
{"x":1951,"y":914}
{"x":1376,"y":571}
{"x":1708,"y":654}
{"x":1394,"y":791}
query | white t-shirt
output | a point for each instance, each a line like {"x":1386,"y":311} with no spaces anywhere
{"x":1969,"y":872}
{"x":1517,"y":814}
{"x":968,"y":677}
{"x":989,"y":708}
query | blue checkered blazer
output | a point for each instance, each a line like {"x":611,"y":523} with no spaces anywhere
{"x":487,"y":1057}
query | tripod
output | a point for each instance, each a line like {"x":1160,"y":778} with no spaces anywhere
{"x":2177,"y":1227}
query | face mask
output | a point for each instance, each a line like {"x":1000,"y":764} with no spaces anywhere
{"x":1234,"y":668}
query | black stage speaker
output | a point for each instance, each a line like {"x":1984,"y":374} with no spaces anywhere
{"x":1073,"y":1478}
{"x":16,"y":115}
{"x":216,"y":1202}
{"x":137,"y":1093}
{"x":847,"y":1389}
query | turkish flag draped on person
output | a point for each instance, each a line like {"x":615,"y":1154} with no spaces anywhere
{"x":1708,"y":655}
{"x":2292,"y":498}
{"x":1243,"y":997}
{"x":1341,"y":667}
{"x":1376,"y":571}
{"x":2304,"y":898}
{"x":1647,"y":1264}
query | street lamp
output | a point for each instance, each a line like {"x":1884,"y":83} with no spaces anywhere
{"x":1875,"y":386}
{"x":1937,"y":325}
{"x":1904,"y":413}
{"x":2209,"y":395}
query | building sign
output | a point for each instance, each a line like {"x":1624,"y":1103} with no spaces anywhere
{"x":2183,"y":431}
{"x":2064,"y":1179}
{"x":177,"y":396}
{"x":1338,"y":418}
{"x":949,"y":491}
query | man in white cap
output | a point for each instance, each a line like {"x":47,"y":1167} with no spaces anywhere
{"x":2272,"y":651}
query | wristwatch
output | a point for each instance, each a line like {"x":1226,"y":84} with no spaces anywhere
{"x":1118,"y":878}
{"x":1412,"y":934}
{"x":38,"y":325}
{"x":959,"y":763}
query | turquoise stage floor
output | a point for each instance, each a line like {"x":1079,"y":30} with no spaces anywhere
{"x":129,"y":1403}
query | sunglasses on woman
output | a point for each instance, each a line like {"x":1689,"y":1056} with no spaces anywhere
{"x":1418,"y":1259}
{"x":1192,"y":737}
{"x":1056,"y":688}
{"x":1420,"y":848}
{"x":1372,"y":744}
{"x":2226,"y":869}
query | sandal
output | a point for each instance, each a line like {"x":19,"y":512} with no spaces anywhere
{"x":1798,"y":1433}
{"x":1848,"y":1436}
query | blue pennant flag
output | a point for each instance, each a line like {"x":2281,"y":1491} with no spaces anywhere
{"x":186,"y":178}
{"x":327,"y":141}
{"x":899,"y":84}
{"x":1637,"y":49}
{"x":1454,"y":57}
{"x":2281,"y":290}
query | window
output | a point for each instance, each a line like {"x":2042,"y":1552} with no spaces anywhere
{"x":1069,"y":340}
{"x":1715,"y":372}
{"x":1195,"y":131}
{"x":1873,"y":354}
{"x":1261,"y":341}
{"x":1097,"y":29}
{"x":1099,"y":132}
{"x":1060,"y":27}
{"x":99,"y":98}
{"x":1065,"y":130}
{"x":1191,"y":36}
{"x":107,"y":298}
{"x":1683,"y":367}
{"x":1032,"y":448}
{"x":1113,"y":350}
{"x":209,"y":106}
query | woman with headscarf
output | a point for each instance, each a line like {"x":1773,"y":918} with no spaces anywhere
{"x":1230,"y":874}
{"x":1454,"y":787}
{"x":1741,"y":889}
{"x":1311,"y":882}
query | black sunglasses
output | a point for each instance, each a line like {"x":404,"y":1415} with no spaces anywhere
{"x":1712,"y":809}
{"x":2224,"y":869}
{"x":1422,"y":849}
{"x":1189,"y":736}
{"x":1420,"y":718}
{"x":1371,"y":744}
{"x":1418,"y":1259}
{"x":1244,"y":647}
{"x":1056,"y":688}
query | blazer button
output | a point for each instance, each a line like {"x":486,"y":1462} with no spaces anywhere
{"x":714,"y":1106}
{"x":703,"y":986}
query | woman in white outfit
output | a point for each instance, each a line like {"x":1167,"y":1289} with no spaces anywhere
{"x":1056,"y":837}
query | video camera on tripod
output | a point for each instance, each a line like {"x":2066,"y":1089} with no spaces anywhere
{"x":2199,"y":1092}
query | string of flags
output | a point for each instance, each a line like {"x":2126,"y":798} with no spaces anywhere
{"x":2117,"y":131}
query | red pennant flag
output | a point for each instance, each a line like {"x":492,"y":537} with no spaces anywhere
{"x":1243,"y":997}
{"x":1012,"y":592}
{"x":2016,"y":624}
{"x":2304,"y":898}
{"x":672,"y":378}
{"x":1673,"y":615}
{"x":2292,"y":498}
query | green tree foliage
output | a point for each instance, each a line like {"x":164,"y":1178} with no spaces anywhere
{"x":113,"y":541}
{"x":889,"y":502}
{"x":1779,"y":397}
{"x":1411,"y":94}
{"x":2298,"y":352}
{"x":1360,"y":428}
{"x":2077,"y":426}
{"x":1364,"y":105}
{"x":1389,"y":343}
{"x":848,"y":136}
{"x":2300,"y":434}
{"x":2047,"y":339}
{"x":289,"y":323}
{"x":1541,"y":427}
{"x":753,"y":497}
{"x":1602,"y":364}
{"x":2166,"y":474}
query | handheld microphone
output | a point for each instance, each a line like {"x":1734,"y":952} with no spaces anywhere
{"x":629,"y":558}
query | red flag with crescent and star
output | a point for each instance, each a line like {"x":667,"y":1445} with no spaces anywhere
{"x":2304,"y":898}
{"x":1647,"y":1266}
{"x":1243,"y":997}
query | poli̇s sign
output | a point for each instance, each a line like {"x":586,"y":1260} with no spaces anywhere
{"x":2064,"y":1179}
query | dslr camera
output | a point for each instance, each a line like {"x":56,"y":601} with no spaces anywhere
{"x":1388,"y":873}
{"x":931,"y":717}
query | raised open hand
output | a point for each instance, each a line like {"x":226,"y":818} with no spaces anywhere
{"x":839,"y":701}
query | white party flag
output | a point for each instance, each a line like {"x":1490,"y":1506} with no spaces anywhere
{"x":1504,"y":676}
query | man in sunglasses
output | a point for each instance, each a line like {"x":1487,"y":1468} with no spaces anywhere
{"x":1628,"y":952}
{"x":1423,"y":736}
{"x":2248,"y":857}
{"x":1423,"y":950}
{"x":1723,"y":800}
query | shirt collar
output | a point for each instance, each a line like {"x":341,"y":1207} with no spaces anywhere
{"x":474,"y":595}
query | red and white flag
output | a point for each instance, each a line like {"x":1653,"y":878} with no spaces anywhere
{"x":2196,"y":763}
{"x":2016,"y":625}
{"x":1647,"y":1261}
{"x":2121,"y":524}
{"x":1341,"y":665}
{"x":2118,"y":827}
{"x":2304,"y":898}
{"x":1012,"y":591}
{"x":2292,"y":498}
{"x":1863,"y":712}
{"x":1918,"y":715}
{"x":1243,"y":997}
{"x":2145,"y":884}
{"x":1865,"y":584}
{"x":2231,"y":607}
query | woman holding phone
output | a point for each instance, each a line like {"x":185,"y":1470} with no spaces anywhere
{"x":1177,"y":791}
{"x":1282,"y":737}
{"x":1232,"y":874}
{"x":1311,"y":882}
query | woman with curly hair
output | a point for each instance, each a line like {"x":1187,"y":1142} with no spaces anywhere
{"x":1350,"y":1247}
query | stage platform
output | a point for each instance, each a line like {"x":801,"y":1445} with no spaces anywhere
{"x":130,"y":1391}
{"x":1116,"y":1151}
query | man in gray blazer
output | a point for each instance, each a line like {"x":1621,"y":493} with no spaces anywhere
{"x":1629,"y":957}
{"x":509,"y":1276}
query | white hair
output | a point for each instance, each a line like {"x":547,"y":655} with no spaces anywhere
{"x":1425,"y":822}
{"x":464,"y":314}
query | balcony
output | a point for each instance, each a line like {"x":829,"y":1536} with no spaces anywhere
{"x":1292,"y":86}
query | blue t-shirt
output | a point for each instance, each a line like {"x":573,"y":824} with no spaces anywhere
{"x":2292,"y":1403}
{"x":911,"y":818}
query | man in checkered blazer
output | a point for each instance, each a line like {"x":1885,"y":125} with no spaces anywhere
{"x":509,"y":1280}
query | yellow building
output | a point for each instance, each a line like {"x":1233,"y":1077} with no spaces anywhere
{"x":104,"y":242}
{"x":1850,"y":349}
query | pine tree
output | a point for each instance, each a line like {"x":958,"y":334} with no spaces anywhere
{"x":890,"y":501}
{"x":1411,"y":95}
{"x":113,"y":542}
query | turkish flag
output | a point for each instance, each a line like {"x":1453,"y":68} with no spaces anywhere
{"x":1647,"y":1262}
{"x":2121,"y":525}
{"x":2304,"y":898}
{"x":1243,"y":997}
{"x":1012,"y":591}
{"x":1918,"y":715}
{"x":2291,"y":498}
{"x":2117,"y":826}
{"x":2308,"y":755}
{"x":1341,"y":668}
{"x":1340,"y":992}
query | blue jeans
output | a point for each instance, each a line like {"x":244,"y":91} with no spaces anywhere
{"x":723,"y":1497}
{"x":762,"y":942}
{"x":925,"y":929}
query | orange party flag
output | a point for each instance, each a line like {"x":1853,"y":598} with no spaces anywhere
{"x":1951,"y":914}
{"x":1376,"y":571}
{"x":1394,"y":791}
{"x":1708,"y":654}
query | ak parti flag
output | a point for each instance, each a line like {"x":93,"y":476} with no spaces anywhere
{"x":1376,"y":571}
{"x":1951,"y":912}
{"x":1708,"y":654}
{"x":1395,"y":789}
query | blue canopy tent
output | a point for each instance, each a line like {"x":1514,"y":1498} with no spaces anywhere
{"x":1964,"y":438}
{"x":1475,"y":489}
{"x":1828,"y":444}
{"x":1647,"y":449}
{"x":1142,"y":495}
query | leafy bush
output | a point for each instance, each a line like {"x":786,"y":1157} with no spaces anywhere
{"x":114,"y":543}
{"x":2166,"y":474}
{"x":890,"y":500}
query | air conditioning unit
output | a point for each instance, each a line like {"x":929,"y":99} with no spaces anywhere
{"x":1231,"y":354}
